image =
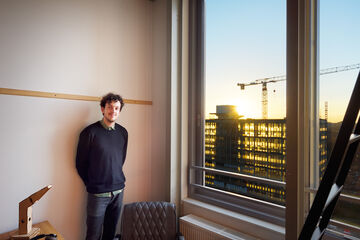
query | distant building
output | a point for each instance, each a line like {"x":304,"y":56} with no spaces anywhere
{"x":255,"y":147}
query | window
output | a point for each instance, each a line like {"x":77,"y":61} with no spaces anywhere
{"x":339,"y":67}
{"x":238,"y":145}
{"x":241,"y":99}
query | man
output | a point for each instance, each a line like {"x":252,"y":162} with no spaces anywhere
{"x":100,"y":157}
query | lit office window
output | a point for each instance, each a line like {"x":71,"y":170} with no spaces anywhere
{"x":339,"y":66}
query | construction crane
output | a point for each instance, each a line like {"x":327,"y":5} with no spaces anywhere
{"x":265,"y":81}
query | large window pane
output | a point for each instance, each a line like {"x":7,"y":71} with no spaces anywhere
{"x":339,"y":50}
{"x":245,"y":48}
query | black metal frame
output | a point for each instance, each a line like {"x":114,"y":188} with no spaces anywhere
{"x":337,"y":169}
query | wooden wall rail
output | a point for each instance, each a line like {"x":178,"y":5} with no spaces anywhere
{"x":9,"y":91}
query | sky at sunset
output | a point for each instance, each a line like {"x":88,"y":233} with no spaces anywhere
{"x":246,"y":40}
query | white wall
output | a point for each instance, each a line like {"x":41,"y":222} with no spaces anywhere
{"x":86,"y":47}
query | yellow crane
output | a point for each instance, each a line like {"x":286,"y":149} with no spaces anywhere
{"x":265,"y":81}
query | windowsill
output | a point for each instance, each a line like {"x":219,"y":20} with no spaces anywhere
{"x":239,"y":222}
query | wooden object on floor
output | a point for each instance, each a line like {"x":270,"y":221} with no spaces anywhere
{"x":33,"y":233}
{"x":45,"y":228}
{"x":25,"y":210}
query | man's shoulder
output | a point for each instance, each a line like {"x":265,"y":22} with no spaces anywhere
{"x":90,"y":128}
{"x":121,"y":128}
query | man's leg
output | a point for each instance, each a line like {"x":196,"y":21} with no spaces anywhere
{"x":112,"y":216}
{"x":96,"y":208}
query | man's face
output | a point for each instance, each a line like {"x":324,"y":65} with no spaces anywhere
{"x":111,"y":111}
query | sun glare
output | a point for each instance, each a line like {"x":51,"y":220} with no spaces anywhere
{"x":247,"y":109}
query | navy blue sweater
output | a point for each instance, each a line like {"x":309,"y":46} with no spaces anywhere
{"x":100,"y":157}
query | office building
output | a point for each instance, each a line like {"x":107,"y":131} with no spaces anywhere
{"x":255,"y":147}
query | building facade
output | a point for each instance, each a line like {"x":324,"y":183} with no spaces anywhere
{"x":255,"y":147}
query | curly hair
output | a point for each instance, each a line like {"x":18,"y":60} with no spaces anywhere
{"x":108,"y":98}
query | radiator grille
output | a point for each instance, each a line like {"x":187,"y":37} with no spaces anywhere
{"x":193,"y":232}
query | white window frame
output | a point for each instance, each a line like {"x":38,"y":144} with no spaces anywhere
{"x":302,"y":120}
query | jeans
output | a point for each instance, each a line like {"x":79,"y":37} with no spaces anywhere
{"x":102,"y":216}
